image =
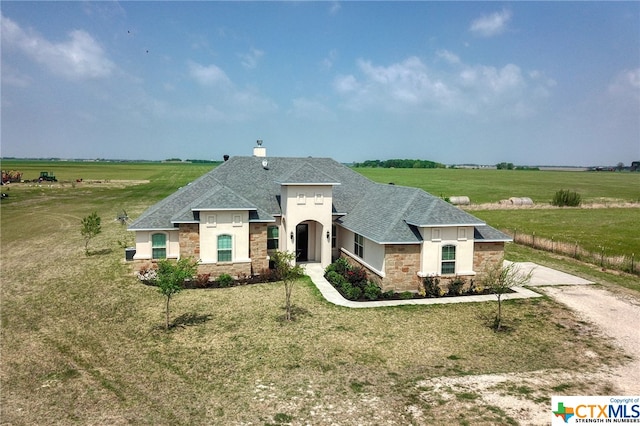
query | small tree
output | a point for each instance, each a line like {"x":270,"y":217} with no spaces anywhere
{"x":500,"y":279}
{"x":90,"y":228}
{"x":171,"y":276}
{"x":289,"y":273}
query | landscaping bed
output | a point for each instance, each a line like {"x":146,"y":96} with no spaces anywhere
{"x":352,"y":283}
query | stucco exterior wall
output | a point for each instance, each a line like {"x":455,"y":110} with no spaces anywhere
{"x":143,"y":244}
{"x":310,"y":204}
{"x":437,"y":237}
{"x":374,"y":254}
{"x":226,"y":222}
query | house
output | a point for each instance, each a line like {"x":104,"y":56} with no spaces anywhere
{"x":233,"y":217}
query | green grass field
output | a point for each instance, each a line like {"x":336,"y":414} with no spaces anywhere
{"x":83,"y":342}
{"x":491,"y":186}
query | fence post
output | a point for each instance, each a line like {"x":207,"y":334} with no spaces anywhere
{"x":552,"y":247}
{"x":601,"y":256}
{"x":533,"y":240}
{"x":575,"y":250}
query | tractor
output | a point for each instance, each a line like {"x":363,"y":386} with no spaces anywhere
{"x":48,"y":177}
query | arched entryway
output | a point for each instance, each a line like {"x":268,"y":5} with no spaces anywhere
{"x":312,"y":243}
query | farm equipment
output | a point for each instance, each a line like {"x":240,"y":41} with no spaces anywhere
{"x":48,"y":177}
{"x":11,"y":176}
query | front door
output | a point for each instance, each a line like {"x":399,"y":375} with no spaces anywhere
{"x":302,"y":242}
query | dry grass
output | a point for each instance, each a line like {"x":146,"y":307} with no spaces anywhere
{"x":82,"y":342}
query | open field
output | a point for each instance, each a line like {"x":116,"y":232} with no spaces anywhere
{"x":82,"y":339}
{"x":491,"y":186}
{"x":608,"y":229}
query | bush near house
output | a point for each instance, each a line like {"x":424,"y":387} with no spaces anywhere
{"x":352,"y":282}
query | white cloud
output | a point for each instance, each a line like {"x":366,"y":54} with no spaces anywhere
{"x":410,"y":86}
{"x":80,"y":57}
{"x":448,"y":56}
{"x":626,"y":83}
{"x":491,"y":25}
{"x":210,"y":75}
{"x":250,"y":60}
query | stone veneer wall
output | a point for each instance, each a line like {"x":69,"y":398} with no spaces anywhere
{"x":485,"y":255}
{"x":189,"y":239}
{"x":401,"y":264}
{"x":258,"y":247}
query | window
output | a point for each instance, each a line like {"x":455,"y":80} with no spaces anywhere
{"x":224,"y":248}
{"x":159,"y":246}
{"x":358,"y":245}
{"x":334,"y":238}
{"x":273,"y":235}
{"x":448,"y":260}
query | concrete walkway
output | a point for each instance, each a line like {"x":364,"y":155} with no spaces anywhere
{"x":316,"y":273}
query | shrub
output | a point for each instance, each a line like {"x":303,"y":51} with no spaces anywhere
{"x":389,"y":294}
{"x":335,"y":279}
{"x":455,"y":287}
{"x":431,"y":287}
{"x":566,"y":198}
{"x":352,"y":292}
{"x":202,"y":280}
{"x":372,"y":291}
{"x":356,"y":276}
{"x":225,"y":280}
{"x":341,"y":265}
{"x":406,"y":295}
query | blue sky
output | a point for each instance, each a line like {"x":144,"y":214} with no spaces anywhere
{"x":532,"y":83}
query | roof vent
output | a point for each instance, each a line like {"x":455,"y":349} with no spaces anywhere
{"x":265,"y":164}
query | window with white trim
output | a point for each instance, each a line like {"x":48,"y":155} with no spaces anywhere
{"x":448,"y":265}
{"x":224,"y":248}
{"x":159,"y":246}
{"x":358,"y":245}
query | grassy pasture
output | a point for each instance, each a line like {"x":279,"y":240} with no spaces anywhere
{"x":491,"y":186}
{"x":611,"y":229}
{"x":82,"y":340}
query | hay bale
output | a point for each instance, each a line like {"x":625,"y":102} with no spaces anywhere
{"x":521,"y":201}
{"x":462,"y":200}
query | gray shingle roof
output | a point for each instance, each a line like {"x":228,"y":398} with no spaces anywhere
{"x":382,"y":213}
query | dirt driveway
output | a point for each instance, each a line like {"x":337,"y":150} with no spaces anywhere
{"x":617,"y":317}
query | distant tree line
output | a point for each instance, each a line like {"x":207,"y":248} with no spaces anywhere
{"x":401,"y":164}
{"x":510,"y":166}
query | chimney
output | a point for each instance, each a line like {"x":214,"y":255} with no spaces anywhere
{"x":225,"y":157}
{"x":259,"y":151}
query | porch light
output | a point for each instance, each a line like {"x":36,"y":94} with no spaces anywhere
{"x":291,"y":235}
{"x":328,"y":236}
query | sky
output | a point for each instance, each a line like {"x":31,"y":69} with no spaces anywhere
{"x":531,"y":83}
